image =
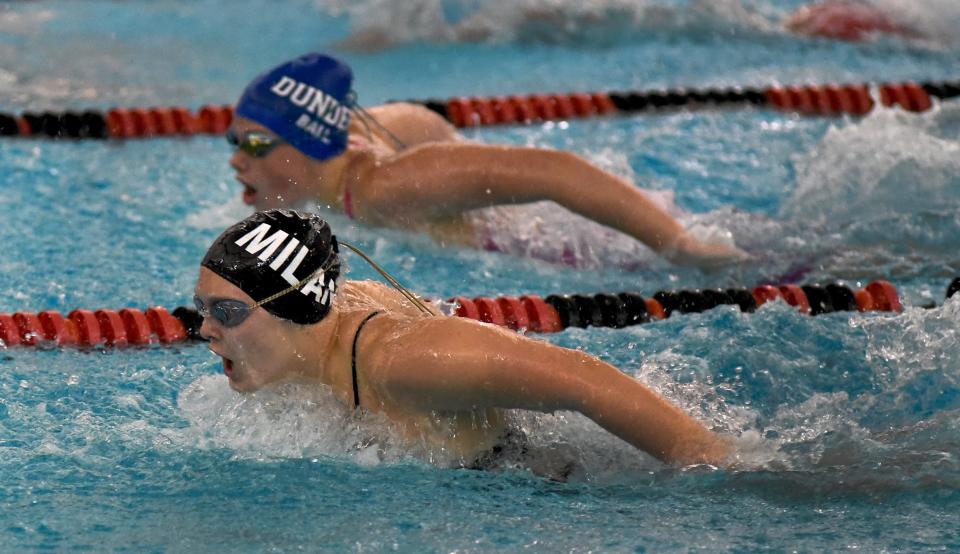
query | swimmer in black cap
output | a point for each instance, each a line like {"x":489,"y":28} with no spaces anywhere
{"x":300,"y":136}
{"x":274,"y":311}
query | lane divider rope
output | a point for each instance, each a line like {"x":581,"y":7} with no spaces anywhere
{"x":826,"y":100}
{"x":119,"y":123}
{"x":554,"y":313}
{"x":109,"y":328}
{"x":476,"y":111}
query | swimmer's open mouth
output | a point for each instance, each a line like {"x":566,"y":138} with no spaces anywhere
{"x":249,"y":194}
{"x":228,"y":367}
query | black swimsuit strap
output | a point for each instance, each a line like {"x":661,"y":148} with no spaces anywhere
{"x":353,"y":358}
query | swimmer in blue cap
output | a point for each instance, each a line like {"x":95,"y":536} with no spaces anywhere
{"x":299,"y":136}
{"x":276,"y":310}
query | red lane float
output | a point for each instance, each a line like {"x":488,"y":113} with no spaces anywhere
{"x":163,"y":121}
{"x":526,"y":312}
{"x":465,"y":112}
{"x":795,"y":296}
{"x":120,"y":123}
{"x":851,"y":99}
{"x":88,"y":328}
{"x":135,"y":326}
{"x":184,"y":121}
{"x":215,"y":119}
{"x":885,"y":297}
{"x":525,"y":109}
{"x":24,"y":127}
{"x":765,"y":293}
{"x":9,"y":332}
{"x":466,"y":308}
{"x":490,"y":311}
{"x":498,"y":110}
{"x":543,"y":317}
{"x":29,"y":327}
{"x":655,"y":309}
{"x":167,"y":328}
{"x":143,"y":123}
{"x":124,"y":123}
{"x":128,"y":326}
{"x":111,"y":326}
{"x":514,"y":314}
{"x":57,"y":328}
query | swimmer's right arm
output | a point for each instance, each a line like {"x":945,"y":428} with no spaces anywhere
{"x":454,"y":364}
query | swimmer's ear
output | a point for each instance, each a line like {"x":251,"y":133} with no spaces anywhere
{"x":351,"y":98}
{"x":334,"y":244}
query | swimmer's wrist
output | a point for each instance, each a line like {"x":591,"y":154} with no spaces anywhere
{"x":687,"y":249}
{"x":678,"y":248}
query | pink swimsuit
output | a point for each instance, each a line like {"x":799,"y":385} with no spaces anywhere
{"x":348,"y":202}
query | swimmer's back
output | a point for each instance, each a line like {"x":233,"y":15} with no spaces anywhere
{"x":411,"y":123}
{"x":364,"y":296}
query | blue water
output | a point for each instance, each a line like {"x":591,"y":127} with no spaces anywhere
{"x":848,"y":423}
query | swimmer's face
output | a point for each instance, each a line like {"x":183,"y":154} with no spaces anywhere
{"x":277,"y":180}
{"x":255,"y":353}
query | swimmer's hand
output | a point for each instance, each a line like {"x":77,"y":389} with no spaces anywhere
{"x":690,"y":251}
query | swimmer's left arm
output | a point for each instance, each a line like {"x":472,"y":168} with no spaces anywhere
{"x":453,"y":364}
{"x":444,"y":180}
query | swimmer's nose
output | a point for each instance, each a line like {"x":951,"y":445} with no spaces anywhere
{"x":209,"y":331}
{"x":239,"y":160}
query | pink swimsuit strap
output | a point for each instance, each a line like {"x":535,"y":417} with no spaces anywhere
{"x":348,"y":202}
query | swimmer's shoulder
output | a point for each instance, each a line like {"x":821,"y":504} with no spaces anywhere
{"x":414,"y":124}
{"x":369,"y":296}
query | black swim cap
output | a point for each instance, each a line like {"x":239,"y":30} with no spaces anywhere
{"x":274,"y":250}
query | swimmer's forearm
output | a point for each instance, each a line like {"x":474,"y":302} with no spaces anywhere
{"x":630,"y":410}
{"x":608,"y":199}
{"x":447,"y":179}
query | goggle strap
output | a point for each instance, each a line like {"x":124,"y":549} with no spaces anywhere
{"x":393,"y":282}
{"x":323,"y":267}
{"x":364,"y":116}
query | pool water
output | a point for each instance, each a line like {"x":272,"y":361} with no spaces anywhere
{"x":848,"y":424}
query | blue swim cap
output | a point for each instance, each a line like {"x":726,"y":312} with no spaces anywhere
{"x":306,"y":101}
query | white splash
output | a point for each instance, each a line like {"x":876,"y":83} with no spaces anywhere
{"x":23,"y":23}
{"x":379,"y":24}
{"x":933,"y":20}
{"x":218,"y":215}
{"x":891,"y":162}
{"x":288,"y":421}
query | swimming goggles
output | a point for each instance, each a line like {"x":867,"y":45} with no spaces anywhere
{"x":226,"y":312}
{"x":230,"y":313}
{"x":255,"y":143}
